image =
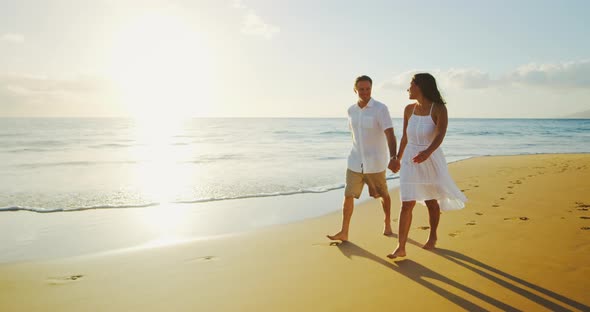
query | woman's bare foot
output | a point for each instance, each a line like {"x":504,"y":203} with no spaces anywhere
{"x":430,"y":244}
{"x":398,"y":252}
{"x":387,"y":230}
{"x":338,"y":236}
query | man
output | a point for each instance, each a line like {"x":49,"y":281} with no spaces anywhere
{"x":371,"y":128}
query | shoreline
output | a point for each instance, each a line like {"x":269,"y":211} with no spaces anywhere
{"x":31,"y":236}
{"x":166,"y":224}
{"x":492,"y":255}
{"x":204,"y":202}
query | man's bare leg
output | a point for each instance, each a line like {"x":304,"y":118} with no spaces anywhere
{"x":386,"y":203}
{"x":405,"y":221}
{"x":347,"y":208}
{"x":433,"y":218}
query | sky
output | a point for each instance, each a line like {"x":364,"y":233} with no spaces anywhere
{"x":270,"y":58}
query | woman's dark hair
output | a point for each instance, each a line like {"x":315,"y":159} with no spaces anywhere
{"x":427,"y":85}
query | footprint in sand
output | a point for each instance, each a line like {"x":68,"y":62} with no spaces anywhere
{"x":502,"y":198}
{"x":584,"y":217}
{"x":585,"y":228}
{"x":454,"y":234}
{"x":424,"y":227}
{"x":202,"y":259}
{"x":510,"y":186}
{"x":582,"y":206}
{"x":510,"y":193}
{"x":329,"y":244}
{"x":471,"y":223}
{"x":479,"y":213}
{"x":520,"y":218}
{"x":64,"y":279}
{"x":476,"y":186}
{"x":495,"y":205}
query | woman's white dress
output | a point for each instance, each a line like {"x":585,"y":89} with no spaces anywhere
{"x":429,"y":179}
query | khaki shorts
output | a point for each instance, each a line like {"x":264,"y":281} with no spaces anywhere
{"x":375,"y":181}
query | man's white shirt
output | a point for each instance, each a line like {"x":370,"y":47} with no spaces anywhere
{"x":370,"y":153}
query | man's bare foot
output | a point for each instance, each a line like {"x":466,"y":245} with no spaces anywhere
{"x":338,"y":236}
{"x":430,"y":244}
{"x":387,"y":230}
{"x":397,"y":253}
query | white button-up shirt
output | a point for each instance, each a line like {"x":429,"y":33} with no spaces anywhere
{"x":370,"y":153}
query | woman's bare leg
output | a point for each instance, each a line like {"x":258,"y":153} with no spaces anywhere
{"x":405,"y":221}
{"x":433,"y":218}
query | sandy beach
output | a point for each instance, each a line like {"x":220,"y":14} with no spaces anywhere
{"x":521,"y":244}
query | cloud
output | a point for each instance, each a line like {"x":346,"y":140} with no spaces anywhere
{"x":569,"y":74}
{"x":457,"y":78}
{"x":253,"y":24}
{"x":12,"y":38}
{"x":400,"y":81}
{"x":29,"y":85}
{"x":557,"y":75}
{"x":467,"y":79}
{"x":27,"y":94}
{"x":238,"y":4}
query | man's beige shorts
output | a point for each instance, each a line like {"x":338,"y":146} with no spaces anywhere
{"x":375,"y":181}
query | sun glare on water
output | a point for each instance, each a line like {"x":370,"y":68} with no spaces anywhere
{"x":162,"y":67}
{"x":161,"y":175}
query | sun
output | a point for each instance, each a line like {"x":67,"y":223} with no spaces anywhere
{"x":161,"y":66}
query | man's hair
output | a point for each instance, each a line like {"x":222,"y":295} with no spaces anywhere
{"x":363,"y":78}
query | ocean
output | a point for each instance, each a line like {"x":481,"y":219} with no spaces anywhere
{"x":73,"y":164}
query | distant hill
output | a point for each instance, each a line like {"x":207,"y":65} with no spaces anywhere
{"x":583,"y":114}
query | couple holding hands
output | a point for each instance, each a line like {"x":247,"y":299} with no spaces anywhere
{"x":422,"y":167}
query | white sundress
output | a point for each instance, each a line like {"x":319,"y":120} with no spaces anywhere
{"x":429,"y":179}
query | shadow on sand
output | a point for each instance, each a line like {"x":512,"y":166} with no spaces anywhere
{"x":514,"y":284}
{"x":420,"y":274}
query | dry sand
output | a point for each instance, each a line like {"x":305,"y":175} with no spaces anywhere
{"x":522,"y":243}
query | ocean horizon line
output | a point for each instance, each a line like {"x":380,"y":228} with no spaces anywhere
{"x":282,"y":117}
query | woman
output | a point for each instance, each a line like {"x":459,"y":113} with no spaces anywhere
{"x":424,"y":176}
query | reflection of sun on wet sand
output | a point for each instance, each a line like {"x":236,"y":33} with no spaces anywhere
{"x":487,"y":258}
